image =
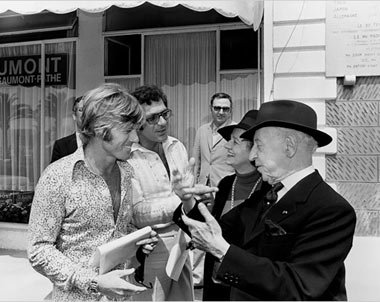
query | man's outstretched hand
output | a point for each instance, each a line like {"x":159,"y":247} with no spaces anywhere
{"x":206,"y":236}
{"x":184,"y":187}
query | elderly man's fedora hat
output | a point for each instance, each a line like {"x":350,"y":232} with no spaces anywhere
{"x":248,"y":121}
{"x":289,"y":114}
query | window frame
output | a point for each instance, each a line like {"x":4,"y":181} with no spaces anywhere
{"x":217,"y":28}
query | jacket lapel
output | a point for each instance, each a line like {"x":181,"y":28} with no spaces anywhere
{"x":209,"y":137}
{"x":218,"y":140}
{"x":287,"y":206}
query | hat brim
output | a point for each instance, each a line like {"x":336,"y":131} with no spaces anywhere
{"x":226,"y":131}
{"x":322,"y":138}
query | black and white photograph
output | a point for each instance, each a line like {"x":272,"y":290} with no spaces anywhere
{"x":190,"y":150}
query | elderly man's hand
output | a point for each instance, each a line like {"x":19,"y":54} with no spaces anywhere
{"x":207,"y":236}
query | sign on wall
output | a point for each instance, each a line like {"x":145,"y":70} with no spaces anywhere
{"x":352,"y":38}
{"x":26,"y":70}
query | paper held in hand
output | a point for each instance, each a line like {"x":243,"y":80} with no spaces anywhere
{"x":118,"y":251}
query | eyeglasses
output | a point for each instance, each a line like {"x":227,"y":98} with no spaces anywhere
{"x":139,"y":271}
{"x":218,"y":108}
{"x":156,"y":117}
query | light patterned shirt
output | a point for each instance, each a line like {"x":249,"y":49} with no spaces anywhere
{"x":71,"y":215}
{"x":158,"y":200}
{"x":154,"y":203}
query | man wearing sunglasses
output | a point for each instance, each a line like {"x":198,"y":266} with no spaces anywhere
{"x":153,"y":159}
{"x":209,"y":152}
{"x":211,"y":158}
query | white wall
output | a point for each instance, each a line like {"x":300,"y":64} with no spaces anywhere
{"x":363,"y":270}
{"x":294,"y":61}
{"x":294,"y":68}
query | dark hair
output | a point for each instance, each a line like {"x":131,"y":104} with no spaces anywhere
{"x":76,"y":101}
{"x":221,"y":95}
{"x":149,"y":93}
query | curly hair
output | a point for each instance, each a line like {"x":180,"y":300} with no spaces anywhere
{"x":149,"y":93}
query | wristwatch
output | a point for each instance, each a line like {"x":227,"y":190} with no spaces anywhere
{"x":93,"y":288}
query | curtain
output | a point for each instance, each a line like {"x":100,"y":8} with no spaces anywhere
{"x":184,"y":66}
{"x":30,"y":125}
{"x":128,"y":83}
{"x":242,"y":87}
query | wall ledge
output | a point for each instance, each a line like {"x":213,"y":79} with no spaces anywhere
{"x":13,"y":236}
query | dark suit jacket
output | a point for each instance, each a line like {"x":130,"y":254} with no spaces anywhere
{"x":296,"y":252}
{"x":211,"y":290}
{"x":64,"y":146}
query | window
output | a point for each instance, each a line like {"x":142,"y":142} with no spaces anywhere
{"x":43,"y":26}
{"x":238,"y":49}
{"x":124,"y":55}
{"x":188,"y":62}
{"x":31,"y":118}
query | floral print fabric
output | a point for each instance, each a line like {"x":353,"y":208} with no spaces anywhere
{"x":71,"y":215}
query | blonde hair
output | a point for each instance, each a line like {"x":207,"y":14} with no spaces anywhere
{"x":107,"y":107}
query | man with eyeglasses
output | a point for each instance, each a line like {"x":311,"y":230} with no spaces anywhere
{"x":211,"y":159}
{"x":209,"y":152}
{"x":153,"y":159}
{"x":68,"y":144}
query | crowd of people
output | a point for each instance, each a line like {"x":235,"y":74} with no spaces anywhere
{"x":247,"y":217}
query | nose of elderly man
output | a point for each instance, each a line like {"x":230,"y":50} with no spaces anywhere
{"x":253,"y":153}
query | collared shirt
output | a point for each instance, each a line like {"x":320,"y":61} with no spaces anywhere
{"x":79,"y":140}
{"x":71,"y":215}
{"x":290,"y":181}
{"x":154,"y":200}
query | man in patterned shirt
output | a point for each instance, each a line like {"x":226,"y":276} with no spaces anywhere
{"x":85,"y":200}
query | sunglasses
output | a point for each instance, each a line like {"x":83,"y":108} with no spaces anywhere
{"x":139,"y":271}
{"x":156,"y":117}
{"x":218,"y":108}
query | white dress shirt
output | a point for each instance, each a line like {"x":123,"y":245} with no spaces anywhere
{"x":290,"y":181}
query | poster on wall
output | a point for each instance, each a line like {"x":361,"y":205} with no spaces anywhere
{"x":352,"y":38}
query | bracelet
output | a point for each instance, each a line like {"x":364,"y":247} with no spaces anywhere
{"x":93,"y":288}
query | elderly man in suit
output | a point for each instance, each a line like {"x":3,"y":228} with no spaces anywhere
{"x":289,"y":242}
{"x":68,"y":144}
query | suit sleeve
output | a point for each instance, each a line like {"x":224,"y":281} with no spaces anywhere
{"x":193,"y":214}
{"x":316,"y":256}
{"x":57,"y":152}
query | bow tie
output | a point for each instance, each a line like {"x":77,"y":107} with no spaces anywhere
{"x":269,"y":199}
{"x":271,"y":196}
